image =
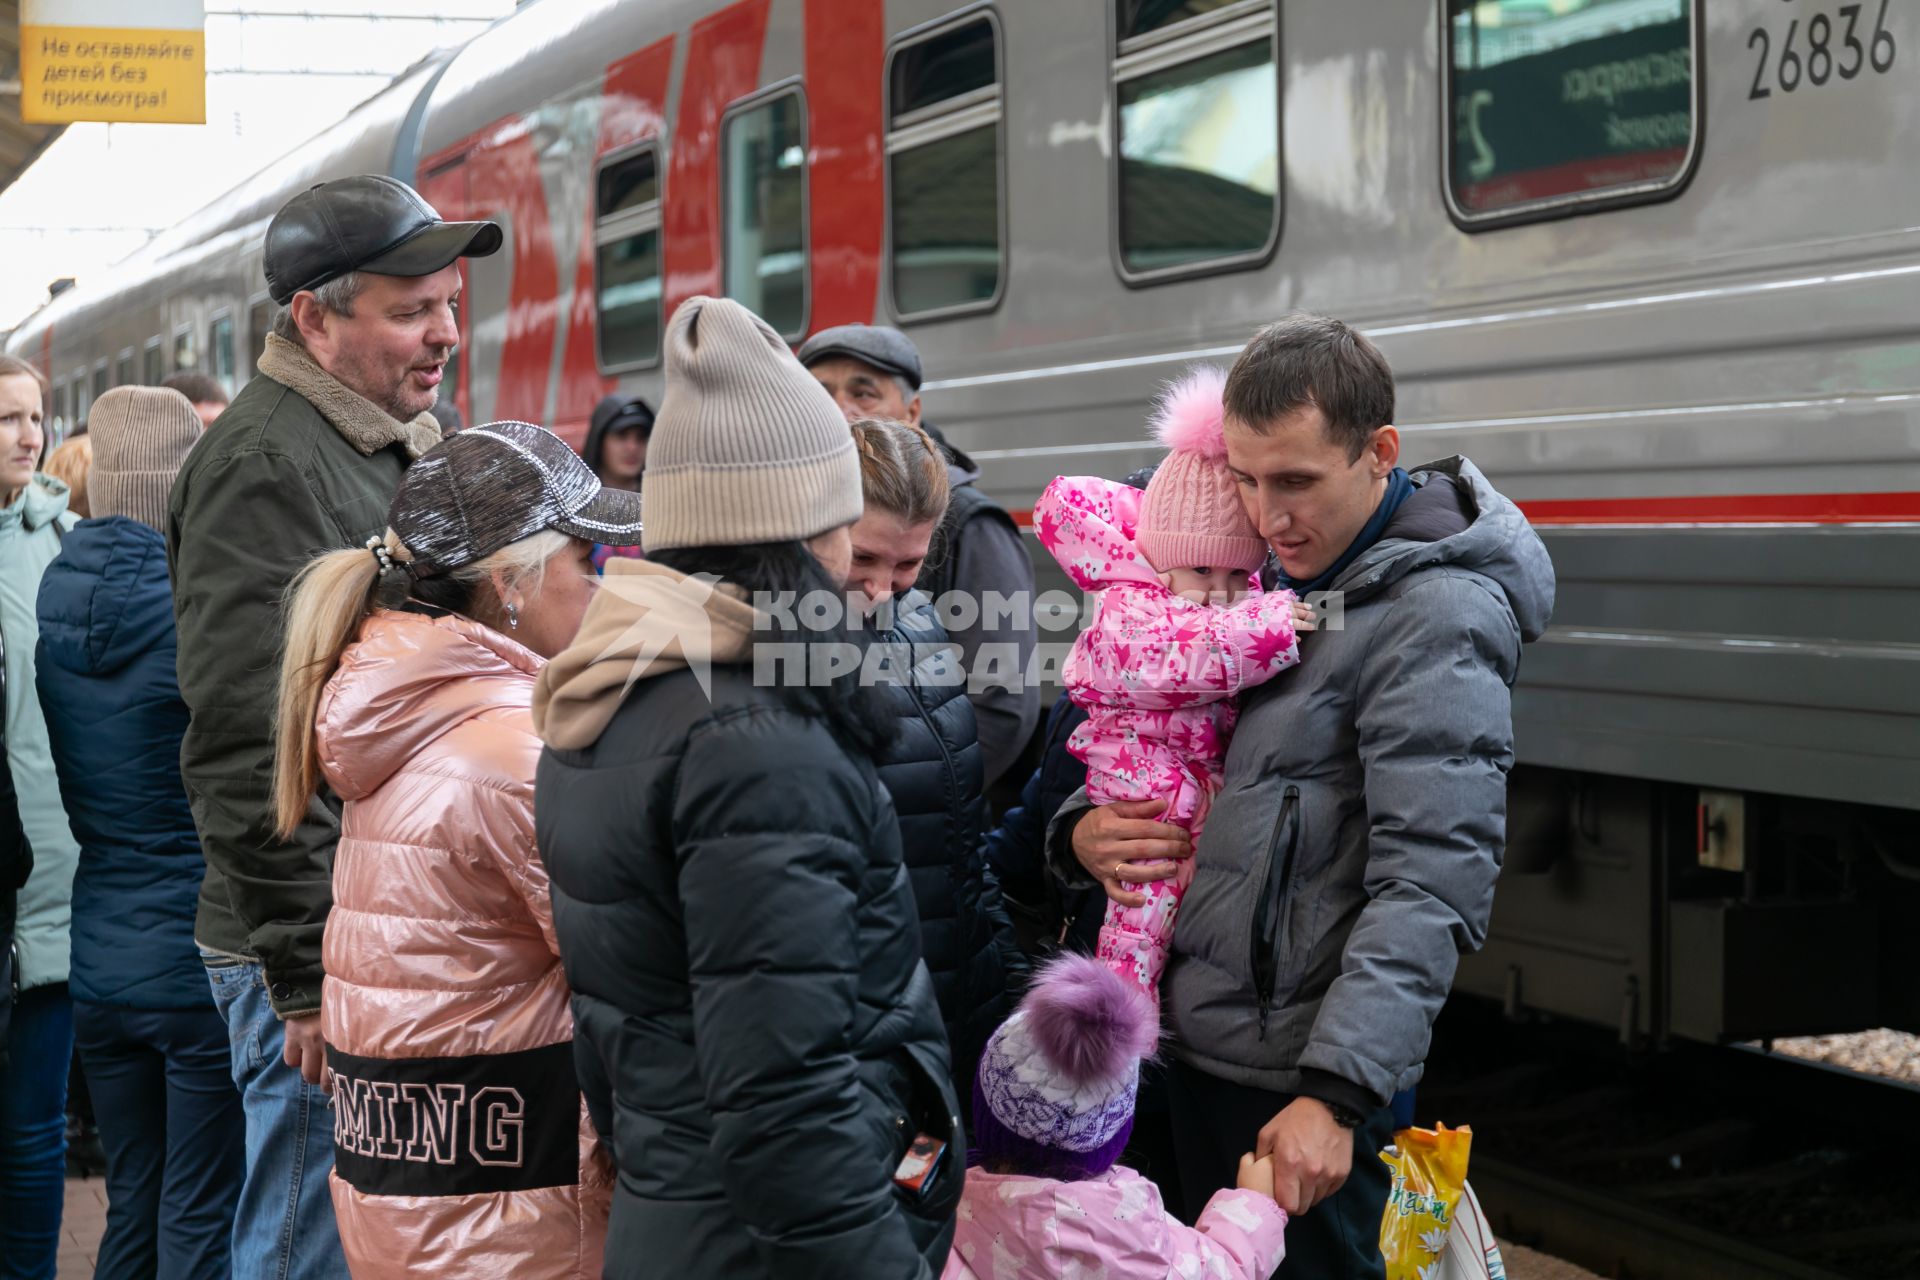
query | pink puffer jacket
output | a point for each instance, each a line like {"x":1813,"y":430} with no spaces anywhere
{"x":462,"y":1147}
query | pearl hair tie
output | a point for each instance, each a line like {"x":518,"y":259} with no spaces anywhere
{"x":378,"y":545}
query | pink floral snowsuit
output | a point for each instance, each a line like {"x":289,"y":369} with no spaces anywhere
{"x":1157,"y":675}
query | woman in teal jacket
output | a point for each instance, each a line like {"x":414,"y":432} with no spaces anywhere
{"x":33,"y":1086}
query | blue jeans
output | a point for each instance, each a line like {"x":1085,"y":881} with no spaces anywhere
{"x":171,"y":1122}
{"x":33,"y":1133}
{"x":283,"y":1226}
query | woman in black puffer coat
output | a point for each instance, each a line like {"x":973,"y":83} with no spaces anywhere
{"x":755,"y":1036}
{"x":933,"y":767}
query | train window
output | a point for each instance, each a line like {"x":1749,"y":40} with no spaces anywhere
{"x":100,"y":382}
{"x":123,"y":368}
{"x":1567,"y":108}
{"x":59,"y":409}
{"x":259,"y":324}
{"x":183,"y":354}
{"x":82,"y":399}
{"x":154,"y":367}
{"x":943,"y":170}
{"x":764,"y":198}
{"x":220,"y":350}
{"x":627,"y":259}
{"x":1197,"y":116}
{"x":1138,"y":17}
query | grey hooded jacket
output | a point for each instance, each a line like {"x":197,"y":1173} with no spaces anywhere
{"x":1351,"y":854}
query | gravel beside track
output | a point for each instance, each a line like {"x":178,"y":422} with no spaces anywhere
{"x":1523,"y":1263}
{"x":1892,"y":1054}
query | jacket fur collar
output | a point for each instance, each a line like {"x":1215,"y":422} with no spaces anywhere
{"x":365,"y":425}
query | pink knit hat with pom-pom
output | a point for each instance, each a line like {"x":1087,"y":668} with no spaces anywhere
{"x":1191,"y":515}
{"x":1054,"y":1095}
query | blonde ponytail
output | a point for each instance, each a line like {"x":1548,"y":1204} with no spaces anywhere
{"x":325,"y":606}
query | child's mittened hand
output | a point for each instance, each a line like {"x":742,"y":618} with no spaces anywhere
{"x":1256,"y":1175}
{"x":1303,"y":616}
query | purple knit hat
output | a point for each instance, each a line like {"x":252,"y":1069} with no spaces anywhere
{"x":1054,"y":1096}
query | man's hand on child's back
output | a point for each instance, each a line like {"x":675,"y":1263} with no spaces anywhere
{"x":1120,"y":845}
{"x":1304,"y":618}
{"x":1312,"y":1155}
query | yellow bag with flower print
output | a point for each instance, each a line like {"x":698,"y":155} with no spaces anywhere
{"x":1429,"y":1177}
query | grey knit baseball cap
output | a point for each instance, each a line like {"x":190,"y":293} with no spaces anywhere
{"x":747,"y":446}
{"x":490,"y":486}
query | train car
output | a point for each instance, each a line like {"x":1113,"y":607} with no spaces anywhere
{"x":1646,"y":261}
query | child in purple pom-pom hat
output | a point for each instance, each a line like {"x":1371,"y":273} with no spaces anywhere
{"x":1052,"y":1108}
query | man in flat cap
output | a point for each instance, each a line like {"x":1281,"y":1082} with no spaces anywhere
{"x":873,"y":371}
{"x":305,"y":460}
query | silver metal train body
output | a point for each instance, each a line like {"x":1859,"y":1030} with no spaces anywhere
{"x":1685,"y":341}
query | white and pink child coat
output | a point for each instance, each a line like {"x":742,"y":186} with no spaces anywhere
{"x":1158,"y":675}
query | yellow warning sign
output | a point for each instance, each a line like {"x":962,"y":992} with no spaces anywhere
{"x":138,"y":61}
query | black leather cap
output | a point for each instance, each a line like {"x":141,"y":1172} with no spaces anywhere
{"x":366,"y":223}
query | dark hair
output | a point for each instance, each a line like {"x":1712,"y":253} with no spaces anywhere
{"x":1315,"y":361}
{"x":198,"y":387}
{"x":13,"y":367}
{"x":860,"y":716}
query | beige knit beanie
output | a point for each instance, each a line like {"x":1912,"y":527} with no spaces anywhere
{"x":747,"y":447}
{"x":141,"y":435}
{"x":1191,"y":516}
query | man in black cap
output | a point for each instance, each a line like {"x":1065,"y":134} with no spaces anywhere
{"x":873,"y":371}
{"x":305,"y":459}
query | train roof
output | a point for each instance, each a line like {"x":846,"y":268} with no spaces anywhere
{"x":364,"y":141}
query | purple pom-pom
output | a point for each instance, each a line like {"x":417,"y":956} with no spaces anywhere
{"x":1088,"y":1023}
{"x":1190,"y":417}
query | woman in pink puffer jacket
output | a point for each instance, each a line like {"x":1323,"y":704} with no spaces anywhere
{"x":461,"y":1145}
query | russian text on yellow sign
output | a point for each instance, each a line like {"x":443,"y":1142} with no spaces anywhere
{"x":115,"y":74}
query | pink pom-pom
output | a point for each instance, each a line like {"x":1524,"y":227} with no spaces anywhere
{"x":1188,"y":417}
{"x":1088,"y":1023}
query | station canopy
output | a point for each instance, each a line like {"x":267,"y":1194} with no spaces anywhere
{"x":20,"y":144}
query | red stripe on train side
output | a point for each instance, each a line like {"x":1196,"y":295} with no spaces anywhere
{"x":723,"y":64}
{"x":633,"y":104}
{"x":846,"y":43}
{"x":1725,"y":509}
{"x":503,"y":177}
{"x":495,"y":172}
{"x":1746,"y":508}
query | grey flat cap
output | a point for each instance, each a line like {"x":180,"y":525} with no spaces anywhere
{"x":886,"y":349}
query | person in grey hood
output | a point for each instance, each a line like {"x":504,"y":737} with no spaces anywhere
{"x":1351,"y":854}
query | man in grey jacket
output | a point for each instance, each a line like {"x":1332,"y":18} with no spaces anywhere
{"x":1352,"y":851}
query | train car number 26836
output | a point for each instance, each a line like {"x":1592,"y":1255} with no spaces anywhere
{"x":1816,"y":50}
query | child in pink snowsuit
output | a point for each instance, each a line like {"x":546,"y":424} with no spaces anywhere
{"x":1052,"y":1109}
{"x":1180,"y":628}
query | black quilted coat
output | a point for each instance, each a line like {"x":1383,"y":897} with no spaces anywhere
{"x":755,"y":1035}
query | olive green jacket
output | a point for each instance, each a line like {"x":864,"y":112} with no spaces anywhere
{"x":297,"y":466}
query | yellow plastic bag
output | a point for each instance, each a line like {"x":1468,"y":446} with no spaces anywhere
{"x":1429,"y":1174}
